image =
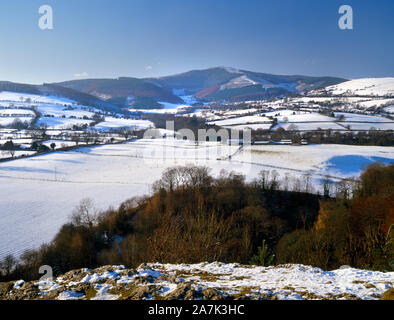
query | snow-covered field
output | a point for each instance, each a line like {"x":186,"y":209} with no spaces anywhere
{"x":368,"y":126}
{"x":305,"y":126}
{"x":16,"y":112}
{"x":335,"y":160}
{"x":17,"y":141}
{"x":38,"y":194}
{"x":303,"y":121}
{"x":363,"y":118}
{"x":115,"y":123}
{"x":5,"y":121}
{"x":60,"y":110}
{"x":375,"y":103}
{"x":25,"y":97}
{"x":364,"y":122}
{"x":240,"y":120}
{"x":61,"y":123}
{"x":389,"y":109}
{"x":6,"y":154}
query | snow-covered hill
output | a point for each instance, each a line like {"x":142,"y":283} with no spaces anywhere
{"x":364,"y":87}
{"x":205,"y":281}
{"x":57,"y":112}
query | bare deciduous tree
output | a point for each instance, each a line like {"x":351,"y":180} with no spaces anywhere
{"x":85,"y":214}
{"x":7,"y":264}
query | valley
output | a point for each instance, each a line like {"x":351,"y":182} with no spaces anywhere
{"x":57,"y":151}
{"x":39,"y":193}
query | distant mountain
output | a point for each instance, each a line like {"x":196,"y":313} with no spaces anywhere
{"x":124,"y":91}
{"x":209,"y":85}
{"x":19,"y":87}
{"x":222,"y":83}
{"x":56,"y":90}
{"x":212,"y":85}
{"x":192,"y":82}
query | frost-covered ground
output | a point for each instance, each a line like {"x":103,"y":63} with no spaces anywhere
{"x":364,"y":122}
{"x":252,"y":126}
{"x":157,"y":111}
{"x":62,"y":143}
{"x":368,"y":126}
{"x":60,"y":110}
{"x":207,"y":281}
{"x":39,"y":193}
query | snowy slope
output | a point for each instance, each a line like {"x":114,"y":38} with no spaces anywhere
{"x":365,"y":86}
{"x":24,"y":97}
{"x":240,"y":82}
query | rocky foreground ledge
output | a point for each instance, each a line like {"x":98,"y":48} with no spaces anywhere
{"x":204,"y":281}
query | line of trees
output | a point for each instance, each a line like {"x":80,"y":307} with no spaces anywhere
{"x":370,"y":138}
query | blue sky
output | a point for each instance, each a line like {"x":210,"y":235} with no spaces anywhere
{"x":144,"y":38}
